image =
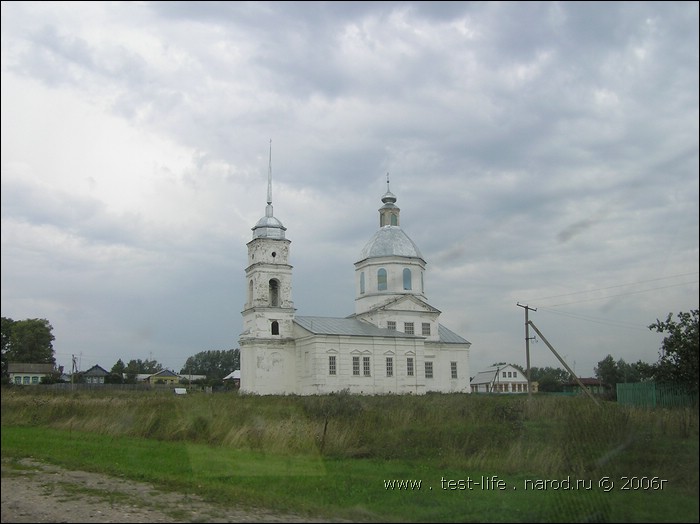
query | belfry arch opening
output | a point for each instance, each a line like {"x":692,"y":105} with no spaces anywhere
{"x":274,"y":292}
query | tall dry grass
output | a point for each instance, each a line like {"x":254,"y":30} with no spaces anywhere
{"x":511,"y":434}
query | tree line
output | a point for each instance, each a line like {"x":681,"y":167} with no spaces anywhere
{"x":31,"y":341}
{"x":677,"y":362}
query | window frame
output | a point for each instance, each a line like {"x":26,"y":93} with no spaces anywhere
{"x":355,"y":366}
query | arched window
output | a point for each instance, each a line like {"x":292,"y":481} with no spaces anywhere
{"x":381,"y":279}
{"x":406,"y":278}
{"x":362,"y":282}
{"x":394,"y":220}
{"x":274,"y":292}
{"x":275,"y":328}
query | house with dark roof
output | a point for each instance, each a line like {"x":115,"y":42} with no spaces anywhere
{"x":164,"y":376}
{"x":95,"y":375}
{"x":28,"y":374}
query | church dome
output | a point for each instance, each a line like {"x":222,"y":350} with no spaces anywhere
{"x":269,"y":227}
{"x":390,"y":241}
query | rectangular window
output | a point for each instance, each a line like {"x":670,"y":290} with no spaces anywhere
{"x":504,"y":374}
{"x":389,"y":366}
{"x":428,"y":370}
{"x":331,"y":365}
{"x":365,"y":366}
{"x":25,"y":380}
{"x":18,"y":380}
{"x":356,"y":366}
{"x":409,"y":366}
{"x":35,"y":380}
{"x":391,"y":325}
{"x":408,"y":328}
{"x":426,"y":329}
{"x":453,"y":369}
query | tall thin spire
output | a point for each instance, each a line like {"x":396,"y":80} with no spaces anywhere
{"x":387,"y":182}
{"x":268,"y":226}
{"x":269,"y":177}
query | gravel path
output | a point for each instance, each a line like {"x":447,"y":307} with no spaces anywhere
{"x":36,"y":492}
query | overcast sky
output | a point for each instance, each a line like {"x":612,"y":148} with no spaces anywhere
{"x":541,"y":153}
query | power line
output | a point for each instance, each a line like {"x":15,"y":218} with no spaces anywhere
{"x":616,"y":286}
{"x":627,"y":325}
{"x":622,"y":294}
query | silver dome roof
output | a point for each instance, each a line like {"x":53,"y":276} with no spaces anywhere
{"x":269,"y":227}
{"x":390,"y":241}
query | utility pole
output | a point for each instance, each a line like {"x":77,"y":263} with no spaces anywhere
{"x":74,"y":370}
{"x":527,"y":345}
{"x":571,"y":372}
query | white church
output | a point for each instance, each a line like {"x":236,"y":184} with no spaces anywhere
{"x":393,"y":343}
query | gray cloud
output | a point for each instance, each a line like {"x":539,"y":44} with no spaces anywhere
{"x":536,"y":149}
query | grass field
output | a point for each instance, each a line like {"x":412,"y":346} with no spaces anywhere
{"x":437,"y":458}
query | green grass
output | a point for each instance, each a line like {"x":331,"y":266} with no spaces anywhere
{"x":273,"y":452}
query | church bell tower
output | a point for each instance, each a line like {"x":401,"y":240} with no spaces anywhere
{"x":269,"y":311}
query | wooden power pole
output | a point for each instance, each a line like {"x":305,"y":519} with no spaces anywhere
{"x":527,"y":346}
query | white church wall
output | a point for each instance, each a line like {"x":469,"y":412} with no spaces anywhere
{"x":268,"y":368}
{"x":442,"y":357}
{"x":315,"y":378}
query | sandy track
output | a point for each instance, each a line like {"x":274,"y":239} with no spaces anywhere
{"x":37,"y":492}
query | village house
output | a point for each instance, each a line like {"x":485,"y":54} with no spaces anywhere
{"x":95,"y":375}
{"x":28,"y":374}
{"x":502,"y":378}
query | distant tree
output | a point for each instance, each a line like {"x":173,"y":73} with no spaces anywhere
{"x":139,"y":367}
{"x":611,"y":373}
{"x":630,"y":372}
{"x":119,"y":367}
{"x":646,"y":371}
{"x":214,"y":364}
{"x":28,"y":341}
{"x":5,"y":333}
{"x":678,"y":356}
{"x":114,"y":378}
{"x":151,"y":366}
{"x":607,"y":372}
{"x":549,"y":379}
{"x":116,"y":374}
{"x":53,"y":378}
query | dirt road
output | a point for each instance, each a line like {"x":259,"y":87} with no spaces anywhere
{"x":33,"y":491}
